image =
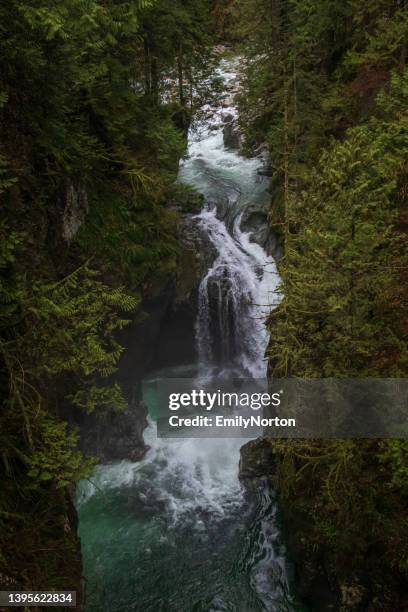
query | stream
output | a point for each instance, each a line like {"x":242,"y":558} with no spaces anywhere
{"x":177,"y":531}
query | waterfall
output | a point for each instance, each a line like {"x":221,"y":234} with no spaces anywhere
{"x":235,"y":296}
{"x":239,"y":289}
{"x":175,"y":531}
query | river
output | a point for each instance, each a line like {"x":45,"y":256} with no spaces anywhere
{"x":176,"y":531}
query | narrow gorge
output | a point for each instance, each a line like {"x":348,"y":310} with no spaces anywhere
{"x":177,"y":530}
{"x":205,"y":192}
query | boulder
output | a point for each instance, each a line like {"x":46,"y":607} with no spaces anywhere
{"x":266,"y":170}
{"x":227,"y":117}
{"x":257,"y":459}
{"x":232,"y":136}
{"x":115,"y":435}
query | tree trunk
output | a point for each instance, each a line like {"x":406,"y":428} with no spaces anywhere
{"x":154,"y":88}
{"x":286,"y":159}
{"x":180,"y":76}
{"x":147,"y":69}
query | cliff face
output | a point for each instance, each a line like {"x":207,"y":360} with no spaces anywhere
{"x":161,"y":334}
{"x":88,"y":159}
{"x":315,"y":586}
{"x":43,"y":551}
{"x":49,"y":289}
{"x":331,"y":574}
{"x":340,"y":315}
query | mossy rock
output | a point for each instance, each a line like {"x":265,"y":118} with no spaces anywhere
{"x":257,"y":459}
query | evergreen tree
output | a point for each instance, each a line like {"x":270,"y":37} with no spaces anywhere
{"x":90,"y":138}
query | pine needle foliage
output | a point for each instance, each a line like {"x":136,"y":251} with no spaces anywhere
{"x":325,"y":87}
{"x":51,"y":332}
{"x":90,"y":137}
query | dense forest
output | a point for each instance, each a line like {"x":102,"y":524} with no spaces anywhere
{"x":92,"y":129}
{"x":326,"y":86}
{"x":96,"y":98}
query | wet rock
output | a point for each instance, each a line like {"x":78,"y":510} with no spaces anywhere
{"x":197,"y":255}
{"x":116,"y":435}
{"x":146,"y":502}
{"x":222,"y":317}
{"x":255,"y":220}
{"x":218,"y":605}
{"x":266,"y":170}
{"x":141,"y":337}
{"x":176,"y":342}
{"x":227,"y":117}
{"x":232,"y":136}
{"x":262,"y":151}
{"x":256,"y":460}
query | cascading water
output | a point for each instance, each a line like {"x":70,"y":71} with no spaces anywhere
{"x":234,"y":297}
{"x":239,"y":289}
{"x":175,"y":531}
